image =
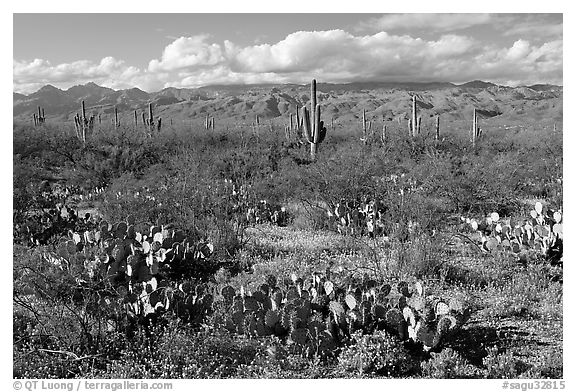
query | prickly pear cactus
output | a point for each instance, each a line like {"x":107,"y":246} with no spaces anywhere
{"x":542,"y":233}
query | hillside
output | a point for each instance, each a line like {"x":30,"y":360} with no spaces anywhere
{"x":342,"y":102}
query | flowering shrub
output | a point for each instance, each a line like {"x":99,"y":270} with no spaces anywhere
{"x":379,"y":354}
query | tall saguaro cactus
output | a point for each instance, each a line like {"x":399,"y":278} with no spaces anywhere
{"x":39,"y":118}
{"x":476,"y":131}
{"x":298,"y":125}
{"x":414,"y":117}
{"x":150,"y":118}
{"x":384,"y":134}
{"x":364,"y":138}
{"x":152,"y":125}
{"x":314,"y":128}
{"x":116,"y":121}
{"x":83,"y":124}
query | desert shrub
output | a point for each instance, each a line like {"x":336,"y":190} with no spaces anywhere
{"x":379,"y":354}
{"x":550,"y":366}
{"x":419,"y":257}
{"x":178,"y":352}
{"x":502,"y":365}
{"x":532,"y":292}
{"x":448,"y":364}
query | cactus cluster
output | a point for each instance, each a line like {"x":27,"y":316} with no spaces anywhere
{"x":150,"y":270}
{"x":39,"y":118}
{"x":542,"y":232}
{"x":362,"y":218}
{"x":294,"y":126}
{"x":265,"y":212}
{"x":317,"y":315}
{"x":370,"y":134}
{"x":209,"y":122}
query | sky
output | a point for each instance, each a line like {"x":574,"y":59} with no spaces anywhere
{"x":154,"y":51}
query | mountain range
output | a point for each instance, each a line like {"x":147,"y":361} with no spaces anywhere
{"x":339,"y":101}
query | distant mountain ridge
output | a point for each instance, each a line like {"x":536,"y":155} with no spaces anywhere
{"x":389,"y":99}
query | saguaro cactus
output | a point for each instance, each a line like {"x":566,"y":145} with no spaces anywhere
{"x":298,"y":121}
{"x":209,"y":122}
{"x":150,"y":118}
{"x":414,"y":117}
{"x":476,"y":131}
{"x":82,"y":124}
{"x":384,"y":135}
{"x":39,"y":118}
{"x":314,"y":128}
{"x":116,"y":121}
{"x":364,"y":138}
{"x":152,"y":125}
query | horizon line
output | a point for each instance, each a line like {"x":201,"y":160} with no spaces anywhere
{"x":287,"y":84}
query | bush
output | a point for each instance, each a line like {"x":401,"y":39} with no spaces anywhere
{"x":379,"y":354}
{"x":502,"y":365}
{"x":448,"y":364}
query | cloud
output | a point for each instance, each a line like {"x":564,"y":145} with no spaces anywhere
{"x":536,"y":27}
{"x":329,"y":56}
{"x":522,"y":63}
{"x":110,"y":72}
{"x":428,"y":22}
{"x":188,"y":52}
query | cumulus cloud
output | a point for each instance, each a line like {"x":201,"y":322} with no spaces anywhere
{"x":329,"y":56}
{"x":109,"y":72}
{"x":188,"y":52}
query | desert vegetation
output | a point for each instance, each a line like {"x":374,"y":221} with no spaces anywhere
{"x":296,"y":247}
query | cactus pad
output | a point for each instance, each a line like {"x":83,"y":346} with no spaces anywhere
{"x":557,"y":229}
{"x":403,"y":289}
{"x":299,"y":336}
{"x":394,"y":317}
{"x":419,"y":288}
{"x":271,"y":318}
{"x":538,"y":207}
{"x":379,"y":311}
{"x":250,"y":304}
{"x":427,"y":336}
{"x":557,"y":217}
{"x":385,"y":289}
{"x":328,"y":287}
{"x":409,"y":316}
{"x":456,"y":305}
{"x":446,"y":323}
{"x":442,"y":308}
{"x":336,"y":308}
{"x":417,"y":303}
{"x":351,"y":301}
